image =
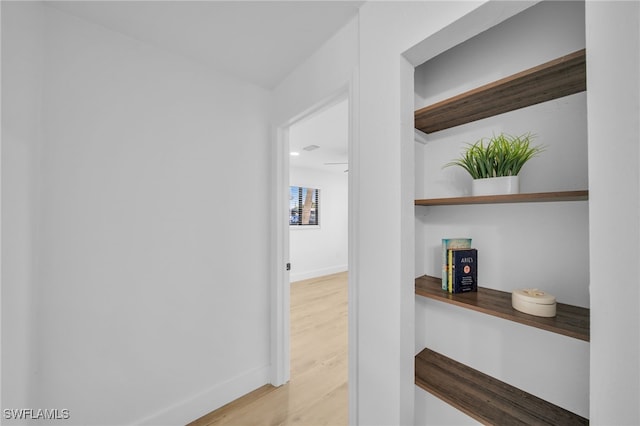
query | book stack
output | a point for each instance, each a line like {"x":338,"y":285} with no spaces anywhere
{"x":459,"y":266}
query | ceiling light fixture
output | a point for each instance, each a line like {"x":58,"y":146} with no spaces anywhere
{"x":294,"y":154}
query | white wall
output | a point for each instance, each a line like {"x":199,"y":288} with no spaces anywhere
{"x":317,"y":251}
{"x":21,"y":105}
{"x":613,"y":66}
{"x":152,"y":177}
{"x":324,"y":75}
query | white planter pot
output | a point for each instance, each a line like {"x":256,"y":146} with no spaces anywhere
{"x":496,"y":186}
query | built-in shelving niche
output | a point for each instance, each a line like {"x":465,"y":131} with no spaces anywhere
{"x":480,"y":396}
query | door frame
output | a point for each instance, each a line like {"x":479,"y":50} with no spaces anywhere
{"x":280,"y":297}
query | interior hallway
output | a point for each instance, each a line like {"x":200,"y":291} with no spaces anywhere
{"x":317,"y":391}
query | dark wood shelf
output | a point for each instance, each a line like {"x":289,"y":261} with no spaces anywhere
{"x":561,"y":77}
{"x":572,"y":321}
{"x":486,"y":399}
{"x":535,"y":197}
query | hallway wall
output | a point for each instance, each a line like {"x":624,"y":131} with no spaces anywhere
{"x":149,"y":175}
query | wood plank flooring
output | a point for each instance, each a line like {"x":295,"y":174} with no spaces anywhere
{"x":316,"y":395}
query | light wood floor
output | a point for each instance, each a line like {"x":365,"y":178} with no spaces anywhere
{"x":317,"y":391}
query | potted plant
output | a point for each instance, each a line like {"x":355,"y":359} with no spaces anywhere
{"x":494,"y":163}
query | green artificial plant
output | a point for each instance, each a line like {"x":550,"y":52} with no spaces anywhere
{"x":502,"y":155}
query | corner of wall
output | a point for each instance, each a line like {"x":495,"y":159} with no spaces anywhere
{"x":222,"y":393}
{"x":22,"y":79}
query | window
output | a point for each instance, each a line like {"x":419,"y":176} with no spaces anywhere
{"x":304,"y":207}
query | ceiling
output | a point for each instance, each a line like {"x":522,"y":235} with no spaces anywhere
{"x":327,"y":129}
{"x":260,"y":42}
{"x":257,"y":41}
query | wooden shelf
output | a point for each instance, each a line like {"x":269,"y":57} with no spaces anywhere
{"x":486,"y":399}
{"x":561,"y":77}
{"x":572,"y":321}
{"x":511,"y":198}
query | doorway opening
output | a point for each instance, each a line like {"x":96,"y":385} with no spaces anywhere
{"x":318,"y":255}
{"x":313,"y":289}
{"x":318,"y":193}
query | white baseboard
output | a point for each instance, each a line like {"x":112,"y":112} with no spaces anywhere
{"x":305,"y":275}
{"x":190,"y":409}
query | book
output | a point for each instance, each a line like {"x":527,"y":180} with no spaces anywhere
{"x":463,"y":267}
{"x":451,"y":243}
{"x":450,"y":270}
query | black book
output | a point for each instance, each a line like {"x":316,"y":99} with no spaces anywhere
{"x":464,"y":271}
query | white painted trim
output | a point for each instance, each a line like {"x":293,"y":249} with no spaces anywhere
{"x":408,"y":245}
{"x":303,"y":227}
{"x":280,"y":297}
{"x":353,"y":241}
{"x":198,"y":405}
{"x":318,"y":273}
{"x":280,"y":339}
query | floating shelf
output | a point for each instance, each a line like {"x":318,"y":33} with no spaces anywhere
{"x":572,"y":321}
{"x":511,"y":198}
{"x":561,"y":77}
{"x":486,"y":399}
